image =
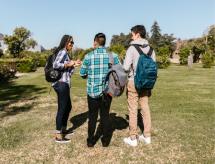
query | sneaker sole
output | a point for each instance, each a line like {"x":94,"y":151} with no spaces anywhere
{"x":144,"y":141}
{"x":62,"y":141}
{"x":129,"y":144}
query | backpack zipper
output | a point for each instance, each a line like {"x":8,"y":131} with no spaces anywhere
{"x":151,"y":67}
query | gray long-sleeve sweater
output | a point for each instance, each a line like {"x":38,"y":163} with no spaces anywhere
{"x":132,"y":57}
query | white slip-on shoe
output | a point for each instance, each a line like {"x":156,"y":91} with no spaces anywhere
{"x":130,"y":141}
{"x":145,"y":139}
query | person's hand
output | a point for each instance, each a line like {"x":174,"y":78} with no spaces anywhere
{"x":149,"y":93}
{"x":77,"y":63}
{"x":71,"y":63}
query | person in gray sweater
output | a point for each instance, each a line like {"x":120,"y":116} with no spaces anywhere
{"x":134,"y":95}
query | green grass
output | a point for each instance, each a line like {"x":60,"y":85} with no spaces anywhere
{"x":182,"y":111}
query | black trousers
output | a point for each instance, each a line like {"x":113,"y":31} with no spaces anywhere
{"x":64,"y":105}
{"x":94,"y":104}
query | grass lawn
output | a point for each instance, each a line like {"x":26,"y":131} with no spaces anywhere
{"x":182,"y":111}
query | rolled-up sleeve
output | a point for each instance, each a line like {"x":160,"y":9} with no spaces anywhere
{"x":58,"y":64}
{"x":84,"y":68}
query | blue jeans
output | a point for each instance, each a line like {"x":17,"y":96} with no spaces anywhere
{"x":64,"y":105}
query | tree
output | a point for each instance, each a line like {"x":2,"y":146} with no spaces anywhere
{"x":168,"y":39}
{"x":122,"y":39}
{"x":211,"y":37}
{"x":76,"y":51}
{"x":19,"y":41}
{"x":118,"y":49}
{"x":82,"y":55}
{"x":156,"y":39}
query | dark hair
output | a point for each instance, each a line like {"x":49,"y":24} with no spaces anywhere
{"x":100,"y":38}
{"x":139,"y":29}
{"x":63,"y":43}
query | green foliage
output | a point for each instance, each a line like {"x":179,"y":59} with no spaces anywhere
{"x":19,"y":41}
{"x":1,"y":53}
{"x":208,"y":59}
{"x":119,"y":50}
{"x":26,"y":66}
{"x":198,"y":47}
{"x":122,"y":39}
{"x":162,"y":58}
{"x":184,"y":53}
{"x":22,"y":65}
{"x":7,"y":72}
{"x":156,"y":39}
{"x":82,"y":55}
{"x":168,"y":39}
{"x":209,"y":35}
{"x":42,"y":63}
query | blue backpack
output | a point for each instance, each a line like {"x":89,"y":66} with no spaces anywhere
{"x":146,"y":71}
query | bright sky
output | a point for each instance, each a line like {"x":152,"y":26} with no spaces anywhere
{"x":49,"y":20}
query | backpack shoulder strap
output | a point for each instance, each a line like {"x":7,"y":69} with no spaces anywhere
{"x":139,"y":50}
{"x":150,"y":51}
{"x":111,"y":57}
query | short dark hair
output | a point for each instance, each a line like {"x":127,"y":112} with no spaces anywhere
{"x":100,"y":38}
{"x":139,"y":29}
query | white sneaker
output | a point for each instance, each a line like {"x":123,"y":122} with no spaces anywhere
{"x":145,"y":139}
{"x":130,"y":142}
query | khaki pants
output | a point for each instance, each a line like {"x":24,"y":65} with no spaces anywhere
{"x":134,"y":96}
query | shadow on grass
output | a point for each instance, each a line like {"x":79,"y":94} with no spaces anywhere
{"x":79,"y":120}
{"x":11,"y":93}
{"x":116,"y":123}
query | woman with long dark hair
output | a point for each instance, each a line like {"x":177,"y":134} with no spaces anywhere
{"x":62,"y":87}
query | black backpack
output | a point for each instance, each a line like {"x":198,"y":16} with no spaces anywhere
{"x":51,"y":74}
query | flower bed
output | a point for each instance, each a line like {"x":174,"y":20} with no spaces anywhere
{"x":7,"y":72}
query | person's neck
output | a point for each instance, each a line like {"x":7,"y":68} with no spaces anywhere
{"x":98,"y":46}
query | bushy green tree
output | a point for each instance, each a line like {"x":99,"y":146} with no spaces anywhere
{"x":184,"y":53}
{"x":168,"y":40}
{"x":162,"y":57}
{"x":122,"y":39}
{"x":82,"y":55}
{"x":19,"y":41}
{"x":208,"y":59}
{"x":118,"y":49}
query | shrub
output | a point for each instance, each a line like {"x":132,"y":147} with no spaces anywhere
{"x":118,"y":49}
{"x":7,"y":72}
{"x":163,"y":62}
{"x":162,"y":58}
{"x":26,"y":66}
{"x":82,"y":55}
{"x":184,"y":53}
{"x":42,"y":63}
{"x":208,"y":59}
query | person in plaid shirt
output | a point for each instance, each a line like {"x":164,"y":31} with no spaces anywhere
{"x":94,"y":69}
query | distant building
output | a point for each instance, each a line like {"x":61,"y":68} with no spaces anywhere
{"x":4,"y":46}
